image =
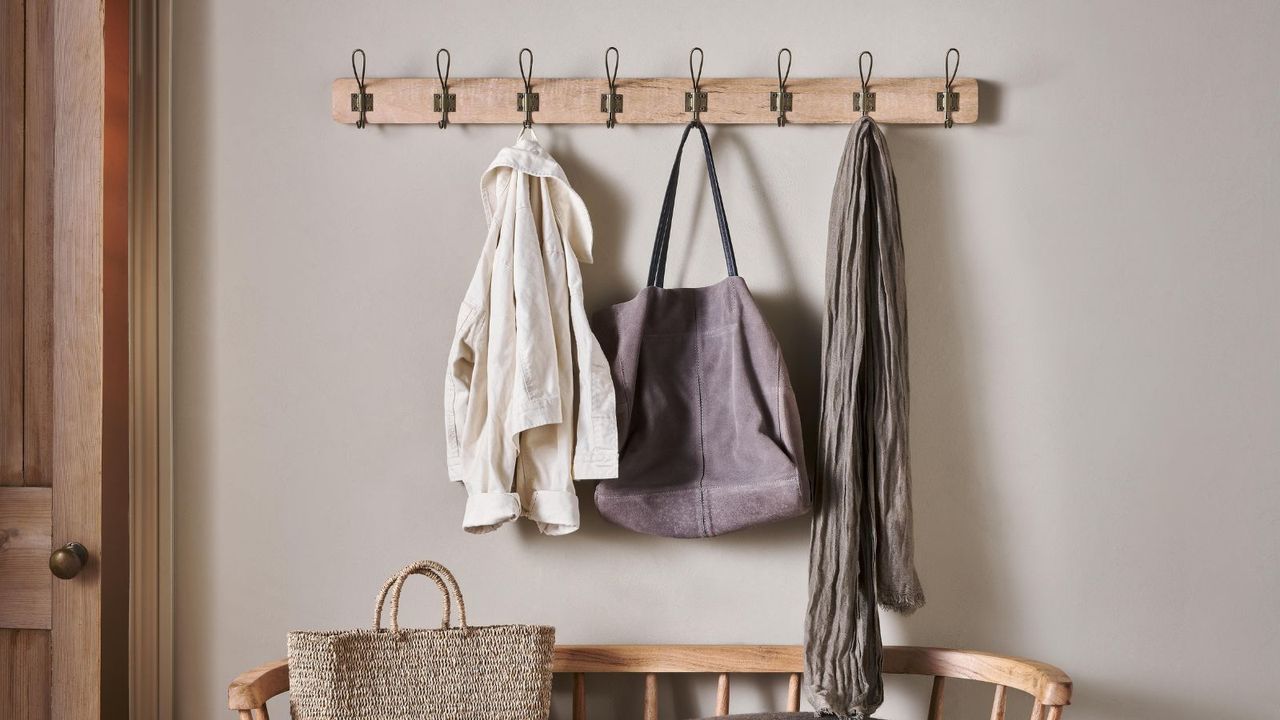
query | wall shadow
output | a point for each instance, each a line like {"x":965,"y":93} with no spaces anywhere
{"x":991,"y":96}
{"x":606,"y":281}
{"x":955,"y":535}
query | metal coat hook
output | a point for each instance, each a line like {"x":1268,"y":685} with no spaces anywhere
{"x":611,"y":102}
{"x":865,"y":101}
{"x":781,"y":101}
{"x":527,"y":100}
{"x":361,"y":101}
{"x":949,"y":101}
{"x":444,"y":101}
{"x":696,"y":101}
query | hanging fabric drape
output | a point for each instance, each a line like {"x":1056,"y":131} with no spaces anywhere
{"x":860,"y":552}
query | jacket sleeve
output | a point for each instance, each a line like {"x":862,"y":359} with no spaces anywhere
{"x":482,"y":352}
{"x":458,"y":382}
{"x":465,"y":377}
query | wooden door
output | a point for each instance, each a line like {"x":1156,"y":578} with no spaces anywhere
{"x":63,"y":357}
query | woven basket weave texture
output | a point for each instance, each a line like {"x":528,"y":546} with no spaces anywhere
{"x":493,"y":672}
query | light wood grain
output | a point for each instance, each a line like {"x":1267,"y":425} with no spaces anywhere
{"x":25,"y":512}
{"x":38,"y":248}
{"x":253,"y":688}
{"x":679,"y":658}
{"x":61,"y":58}
{"x":12,"y":169}
{"x":654,"y":100}
{"x":793,"y":693}
{"x":78,"y":40}
{"x":25,"y":542}
{"x":722,"y":695}
{"x":1046,"y":683}
{"x":24,"y":674}
{"x":650,"y":697}
{"x":998,"y":703}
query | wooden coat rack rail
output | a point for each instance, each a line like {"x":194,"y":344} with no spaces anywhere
{"x":648,"y":101}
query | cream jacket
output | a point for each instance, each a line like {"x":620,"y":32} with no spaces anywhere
{"x":529,"y":404}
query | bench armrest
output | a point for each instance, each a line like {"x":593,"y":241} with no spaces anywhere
{"x":252,"y":689}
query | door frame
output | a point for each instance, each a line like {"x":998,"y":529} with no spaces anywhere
{"x":150,"y":361}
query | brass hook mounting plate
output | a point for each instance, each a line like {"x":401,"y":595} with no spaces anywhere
{"x":605,"y":99}
{"x":533,"y":101}
{"x":451,"y":100}
{"x":702,"y":102}
{"x":871,"y":102}
{"x":955,"y":101}
{"x":786,"y":101}
{"x":355,"y":102}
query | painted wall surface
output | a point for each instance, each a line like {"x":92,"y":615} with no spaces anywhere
{"x":1092,"y":277}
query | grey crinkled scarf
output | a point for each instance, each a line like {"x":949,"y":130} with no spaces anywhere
{"x":860,"y":551}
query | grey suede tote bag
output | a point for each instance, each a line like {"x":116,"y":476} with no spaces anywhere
{"x":708,"y":430}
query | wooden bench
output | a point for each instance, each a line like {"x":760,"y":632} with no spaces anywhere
{"x":1049,"y":687}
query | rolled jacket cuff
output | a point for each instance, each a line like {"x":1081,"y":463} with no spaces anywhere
{"x":487,"y":512}
{"x":555,"y":511}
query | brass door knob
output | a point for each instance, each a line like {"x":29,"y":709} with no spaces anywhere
{"x":67,"y":561}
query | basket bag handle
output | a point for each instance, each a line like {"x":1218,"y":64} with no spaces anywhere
{"x":658,"y":261}
{"x":443,"y":579}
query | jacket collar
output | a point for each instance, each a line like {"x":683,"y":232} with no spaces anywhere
{"x":529,"y":157}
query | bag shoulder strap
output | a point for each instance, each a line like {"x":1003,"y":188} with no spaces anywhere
{"x":658,"y":262}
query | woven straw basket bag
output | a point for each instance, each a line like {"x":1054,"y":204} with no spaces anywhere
{"x":492,"y":672}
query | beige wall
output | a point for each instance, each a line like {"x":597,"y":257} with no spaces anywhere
{"x":1093,"y":294}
